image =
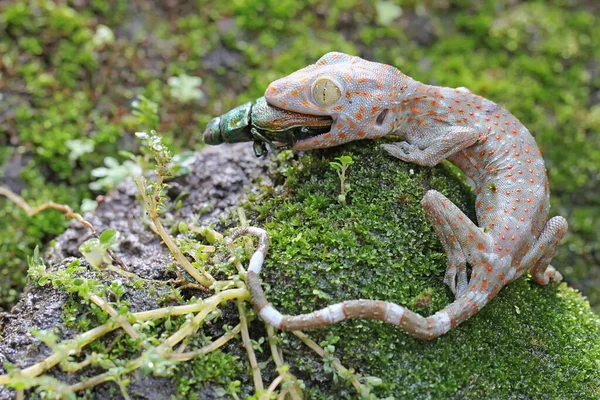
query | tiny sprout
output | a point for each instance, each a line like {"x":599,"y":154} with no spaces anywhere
{"x":209,"y":234}
{"x":182,"y":227}
{"x":95,"y":250}
{"x":341,"y":167}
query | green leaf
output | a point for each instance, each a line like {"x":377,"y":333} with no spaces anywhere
{"x":109,"y":238}
{"x":346,"y":160}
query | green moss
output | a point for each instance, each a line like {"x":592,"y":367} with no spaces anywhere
{"x":530,"y":342}
{"x":216,"y":368}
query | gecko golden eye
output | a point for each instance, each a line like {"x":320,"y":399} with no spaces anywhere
{"x":325,"y":92}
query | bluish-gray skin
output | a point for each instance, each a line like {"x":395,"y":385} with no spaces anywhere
{"x":261,"y":123}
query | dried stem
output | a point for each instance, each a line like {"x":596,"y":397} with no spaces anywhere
{"x":151,"y":203}
{"x":206,"y":349}
{"x":256,"y":376}
{"x":80,"y":341}
{"x":65,"y":209}
{"x":188,"y":329}
{"x":121,"y":320}
{"x":336,"y":362}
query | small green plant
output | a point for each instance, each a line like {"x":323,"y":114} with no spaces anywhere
{"x":341,"y":167}
{"x":113,"y":173}
{"x":186,"y":88}
{"x":146,"y":112}
{"x":95,"y":250}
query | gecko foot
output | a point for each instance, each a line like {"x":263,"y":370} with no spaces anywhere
{"x":456,"y":278}
{"x":401,"y":150}
{"x":553,"y":275}
{"x":544,"y":249}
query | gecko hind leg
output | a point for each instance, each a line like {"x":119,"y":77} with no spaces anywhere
{"x":460,"y":237}
{"x":544,"y":250}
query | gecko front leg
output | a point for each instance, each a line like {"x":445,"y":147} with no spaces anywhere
{"x":446,"y":218}
{"x":445,"y":144}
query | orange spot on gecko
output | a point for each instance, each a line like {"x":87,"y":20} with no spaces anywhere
{"x":493,"y":294}
{"x":484,"y":284}
{"x":361,"y":133}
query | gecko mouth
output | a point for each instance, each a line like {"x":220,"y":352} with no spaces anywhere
{"x":287,"y":127}
{"x":263,"y":123}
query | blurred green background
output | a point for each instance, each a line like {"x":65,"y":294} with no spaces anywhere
{"x":70,"y":70}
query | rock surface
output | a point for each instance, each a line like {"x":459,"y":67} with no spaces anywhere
{"x":219,"y":178}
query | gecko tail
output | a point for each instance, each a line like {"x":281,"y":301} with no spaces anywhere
{"x":414,"y":324}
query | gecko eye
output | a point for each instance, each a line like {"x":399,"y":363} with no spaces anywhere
{"x":326,"y":92}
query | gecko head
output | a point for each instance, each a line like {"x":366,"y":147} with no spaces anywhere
{"x":357,"y":94}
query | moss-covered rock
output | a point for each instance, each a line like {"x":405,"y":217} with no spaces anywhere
{"x":530,"y":342}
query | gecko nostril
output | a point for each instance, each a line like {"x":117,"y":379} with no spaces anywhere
{"x":381,"y":117}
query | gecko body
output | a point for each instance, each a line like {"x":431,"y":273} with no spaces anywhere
{"x":369,"y":100}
